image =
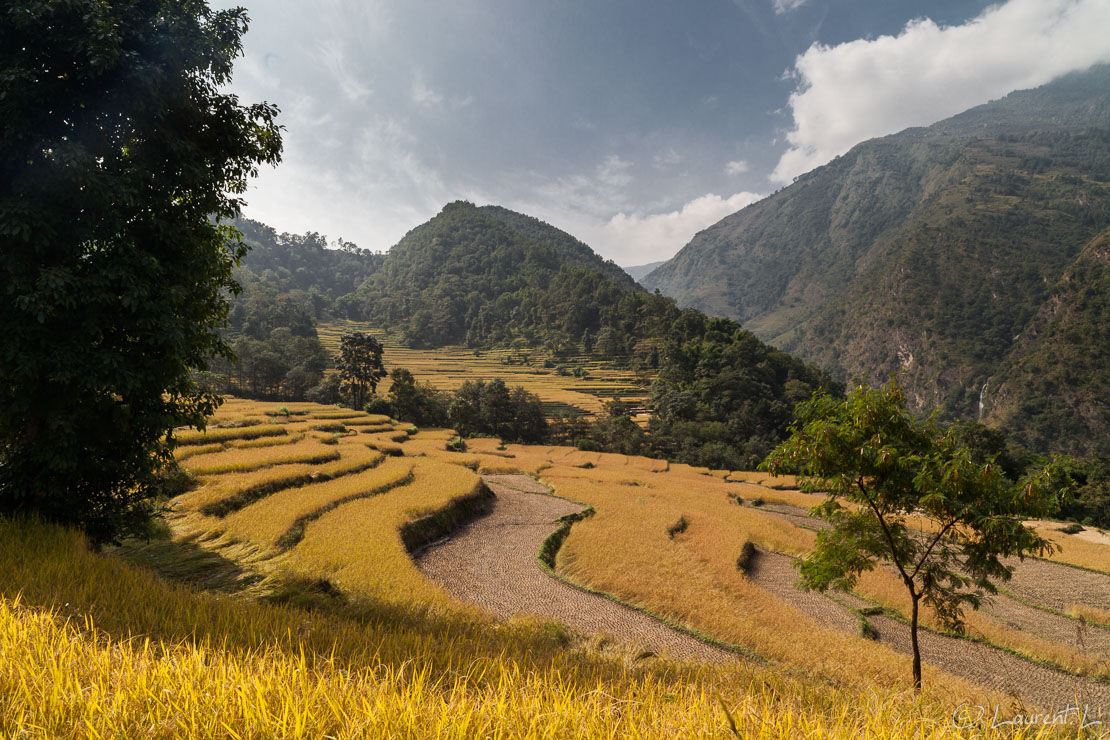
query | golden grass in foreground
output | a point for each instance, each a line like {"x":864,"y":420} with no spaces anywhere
{"x":202,"y":666}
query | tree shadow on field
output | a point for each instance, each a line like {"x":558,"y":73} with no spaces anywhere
{"x":183,"y":561}
{"x":176,"y":593}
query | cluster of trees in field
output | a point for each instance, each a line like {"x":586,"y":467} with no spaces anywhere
{"x":477,"y":408}
{"x":722,"y":399}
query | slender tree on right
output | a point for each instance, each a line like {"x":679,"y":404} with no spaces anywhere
{"x":911,"y":493}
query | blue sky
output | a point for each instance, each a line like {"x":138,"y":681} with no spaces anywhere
{"x":632,"y":124}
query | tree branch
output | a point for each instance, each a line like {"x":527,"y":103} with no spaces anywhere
{"x":889,"y":537}
{"x":932,"y":544}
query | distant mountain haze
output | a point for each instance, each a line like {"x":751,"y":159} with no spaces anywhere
{"x":638,"y":272}
{"x":964,"y":255}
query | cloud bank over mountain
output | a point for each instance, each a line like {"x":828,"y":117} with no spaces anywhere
{"x":862,"y":89}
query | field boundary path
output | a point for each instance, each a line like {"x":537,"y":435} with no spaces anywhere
{"x":491,"y":562}
{"x":986,"y":665}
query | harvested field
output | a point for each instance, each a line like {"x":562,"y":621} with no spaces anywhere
{"x":1058,"y":586}
{"x":492,"y":563}
{"x":987,"y":666}
{"x":1055,"y":627}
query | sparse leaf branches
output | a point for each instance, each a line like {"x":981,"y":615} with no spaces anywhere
{"x":909,"y":492}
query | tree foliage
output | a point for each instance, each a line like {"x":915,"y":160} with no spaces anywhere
{"x":117,"y":149}
{"x":491,"y":407}
{"x":878,"y":466}
{"x":417,"y":403}
{"x":360,"y":367}
{"x":722,"y":398}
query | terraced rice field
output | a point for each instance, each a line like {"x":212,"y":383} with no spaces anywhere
{"x":663,"y":538}
{"x":448,"y":367}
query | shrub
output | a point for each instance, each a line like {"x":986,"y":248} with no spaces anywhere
{"x":455,"y":444}
{"x":378,"y":405}
{"x":746,"y":556}
{"x":867,"y":630}
{"x":678,"y":527}
{"x":326,"y":392}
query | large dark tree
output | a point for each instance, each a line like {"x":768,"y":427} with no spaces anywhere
{"x":119,"y":155}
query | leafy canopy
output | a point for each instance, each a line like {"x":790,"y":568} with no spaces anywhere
{"x":118,"y":156}
{"x":360,"y":367}
{"x":911,"y":493}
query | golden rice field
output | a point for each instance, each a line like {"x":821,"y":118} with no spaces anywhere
{"x":636,"y":500}
{"x":447,"y":368}
{"x":91,"y":646}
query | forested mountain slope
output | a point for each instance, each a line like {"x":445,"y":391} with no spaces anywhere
{"x":486,"y":275}
{"x":1055,"y":383}
{"x":928,"y":252}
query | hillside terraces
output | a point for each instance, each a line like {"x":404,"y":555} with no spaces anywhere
{"x":631,"y":548}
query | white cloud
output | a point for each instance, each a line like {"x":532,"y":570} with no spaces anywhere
{"x":424,"y":95}
{"x":665,"y":159}
{"x":873,"y":87}
{"x":635,"y":239}
{"x":737,"y":167}
{"x":387,"y":154}
{"x":599,"y":194}
{"x":784,"y":6}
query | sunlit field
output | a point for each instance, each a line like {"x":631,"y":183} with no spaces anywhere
{"x":447,"y":368}
{"x":342,"y":634}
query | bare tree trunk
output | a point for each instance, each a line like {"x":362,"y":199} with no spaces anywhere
{"x":916,"y":649}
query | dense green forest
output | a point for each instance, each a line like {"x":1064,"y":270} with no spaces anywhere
{"x":288,"y":282}
{"x":932,"y":253}
{"x":487,"y":276}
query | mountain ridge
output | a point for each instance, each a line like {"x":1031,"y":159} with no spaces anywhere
{"x":926,"y":252}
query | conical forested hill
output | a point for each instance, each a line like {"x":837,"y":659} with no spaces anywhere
{"x":487,"y":275}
